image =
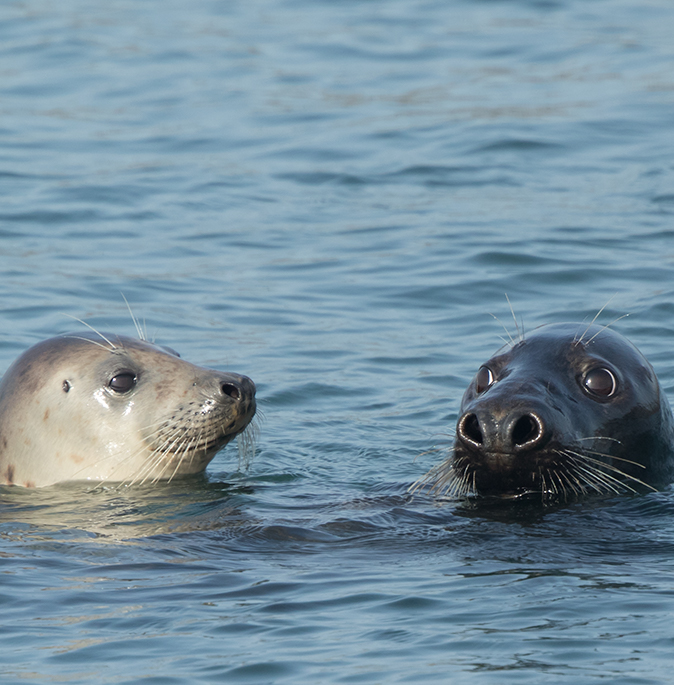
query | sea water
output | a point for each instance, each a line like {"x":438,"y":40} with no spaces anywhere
{"x":334,"y":198}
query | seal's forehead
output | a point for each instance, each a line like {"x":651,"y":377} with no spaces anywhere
{"x":581,"y":339}
{"x":76,"y":348}
{"x":111,"y":342}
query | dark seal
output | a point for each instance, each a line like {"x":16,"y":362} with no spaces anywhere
{"x":567,"y":411}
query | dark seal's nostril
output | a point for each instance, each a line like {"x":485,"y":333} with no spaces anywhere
{"x":527,"y":429}
{"x":469,"y":429}
{"x":231,"y":390}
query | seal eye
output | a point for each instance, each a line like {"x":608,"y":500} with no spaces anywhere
{"x":600,"y":382}
{"x":484,"y":379}
{"x":122,"y":382}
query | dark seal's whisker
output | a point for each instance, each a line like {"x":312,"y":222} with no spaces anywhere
{"x":599,"y":437}
{"x":609,"y":456}
{"x":597,"y":467}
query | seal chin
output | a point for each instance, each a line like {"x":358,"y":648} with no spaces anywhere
{"x":561,"y":418}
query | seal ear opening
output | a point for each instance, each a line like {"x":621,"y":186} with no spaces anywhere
{"x":66,"y":386}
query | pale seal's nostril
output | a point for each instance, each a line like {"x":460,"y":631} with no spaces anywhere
{"x":231,"y":390}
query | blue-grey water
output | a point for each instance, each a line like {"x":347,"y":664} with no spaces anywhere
{"x":332,"y":197}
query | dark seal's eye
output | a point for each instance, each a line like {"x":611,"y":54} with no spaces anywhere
{"x":484,"y":379}
{"x":122,"y":382}
{"x":600,"y":382}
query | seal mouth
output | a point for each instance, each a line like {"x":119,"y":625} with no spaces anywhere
{"x":186,"y":448}
{"x":172,"y":440}
{"x":558,"y":473}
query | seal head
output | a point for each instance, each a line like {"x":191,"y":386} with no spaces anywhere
{"x":108,"y":407}
{"x":560,"y":414}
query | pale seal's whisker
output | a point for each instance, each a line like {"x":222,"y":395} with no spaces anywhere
{"x":133,"y":318}
{"x":93,"y":342}
{"x":247,"y":445}
{"x":91,"y":328}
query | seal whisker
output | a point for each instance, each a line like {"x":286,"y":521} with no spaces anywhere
{"x":88,"y":340}
{"x":586,"y":455}
{"x":572,"y":475}
{"x":512,"y":341}
{"x":596,"y":316}
{"x":449,"y":478}
{"x":181,"y":456}
{"x":520,"y":333}
{"x":601,"y":437}
{"x":246,"y":443}
{"x":596,"y":467}
{"x":608,"y":325}
{"x":565,"y":476}
{"x":614,"y":458}
{"x":593,"y":476}
{"x":556,"y":474}
{"x":436,"y":477}
{"x":170,"y":447}
{"x":596,"y":482}
{"x":148,"y":464}
{"x":133,"y":318}
{"x":91,"y":328}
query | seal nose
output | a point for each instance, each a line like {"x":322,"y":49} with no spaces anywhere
{"x":519,"y":431}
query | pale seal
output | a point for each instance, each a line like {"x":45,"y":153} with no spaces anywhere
{"x":567,"y":411}
{"x":105,"y":407}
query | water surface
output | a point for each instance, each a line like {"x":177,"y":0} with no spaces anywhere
{"x":332,"y":197}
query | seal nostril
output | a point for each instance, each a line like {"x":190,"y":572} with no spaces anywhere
{"x":231,"y":390}
{"x":526,"y":429}
{"x":470,"y":429}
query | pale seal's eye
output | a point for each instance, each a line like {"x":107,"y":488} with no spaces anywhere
{"x":600,"y":382}
{"x":122,"y":382}
{"x":484,"y":379}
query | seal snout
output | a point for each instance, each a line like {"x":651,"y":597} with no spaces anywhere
{"x":518,"y":431}
{"x":238,"y":393}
